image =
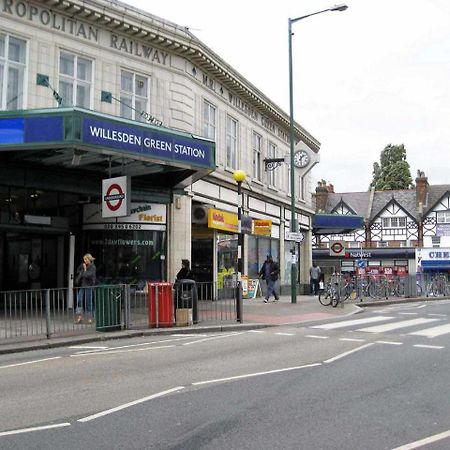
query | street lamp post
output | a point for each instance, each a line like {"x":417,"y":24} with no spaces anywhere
{"x":342,"y":7}
{"x":239,"y":176}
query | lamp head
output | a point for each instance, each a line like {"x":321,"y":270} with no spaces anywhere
{"x":239,"y":176}
{"x":341,"y":7}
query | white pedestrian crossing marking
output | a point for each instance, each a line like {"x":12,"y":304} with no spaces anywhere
{"x":396,"y":325}
{"x":349,"y":323}
{"x":434,"y":331}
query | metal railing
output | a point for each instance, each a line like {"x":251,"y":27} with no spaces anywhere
{"x":368,"y":287}
{"x":46,"y":313}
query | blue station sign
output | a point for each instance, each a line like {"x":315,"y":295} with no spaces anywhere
{"x":75,"y":127}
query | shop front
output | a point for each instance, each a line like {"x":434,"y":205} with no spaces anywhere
{"x":52,"y":166}
{"x":433,"y":260}
{"x":366,"y":261}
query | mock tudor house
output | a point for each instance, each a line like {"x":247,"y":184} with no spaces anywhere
{"x":396,"y":226}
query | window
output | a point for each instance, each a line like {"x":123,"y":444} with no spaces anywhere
{"x":12,"y":72}
{"x":209,"y":121}
{"x":75,"y":80}
{"x":257,"y":149}
{"x":443,"y":217}
{"x":133,"y":96}
{"x":382,"y":244}
{"x":394,"y":222}
{"x":271,"y":153}
{"x":301,"y":190}
{"x":232,"y":127}
{"x":435,"y":241}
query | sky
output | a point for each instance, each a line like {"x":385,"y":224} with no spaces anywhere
{"x":375,"y":74}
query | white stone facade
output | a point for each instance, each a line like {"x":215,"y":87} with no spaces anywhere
{"x":183,"y":75}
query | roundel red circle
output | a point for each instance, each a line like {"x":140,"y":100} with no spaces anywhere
{"x":120,"y":194}
{"x":337,"y":247}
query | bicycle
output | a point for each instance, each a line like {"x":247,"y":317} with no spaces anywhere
{"x":332,"y":292}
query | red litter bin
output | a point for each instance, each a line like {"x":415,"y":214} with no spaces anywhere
{"x":160,"y":305}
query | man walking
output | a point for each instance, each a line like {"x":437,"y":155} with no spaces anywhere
{"x":269,"y":272}
{"x":314,"y":277}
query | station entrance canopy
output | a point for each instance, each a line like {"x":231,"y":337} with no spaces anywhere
{"x":104,"y":146}
{"x":336,"y":223}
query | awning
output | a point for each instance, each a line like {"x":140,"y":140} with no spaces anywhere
{"x":77,"y":139}
{"x":336,"y":223}
{"x":435,"y":264}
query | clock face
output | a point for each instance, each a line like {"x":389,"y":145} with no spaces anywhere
{"x":301,"y":158}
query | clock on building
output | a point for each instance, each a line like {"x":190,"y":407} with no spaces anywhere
{"x":301,"y":158}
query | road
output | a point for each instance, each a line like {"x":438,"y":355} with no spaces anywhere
{"x":376,"y":380}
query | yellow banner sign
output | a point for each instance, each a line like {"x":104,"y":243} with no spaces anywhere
{"x":262,"y":227}
{"x":222,"y":220}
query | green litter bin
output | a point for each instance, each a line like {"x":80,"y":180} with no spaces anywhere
{"x":108,"y":304}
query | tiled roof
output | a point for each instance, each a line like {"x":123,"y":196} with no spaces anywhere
{"x":406,"y":198}
{"x":357,"y":201}
{"x":435,"y":193}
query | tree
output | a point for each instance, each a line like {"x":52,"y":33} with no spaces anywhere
{"x":393,"y":172}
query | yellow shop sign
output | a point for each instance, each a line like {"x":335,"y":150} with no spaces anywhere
{"x":222,"y":220}
{"x":262,"y":227}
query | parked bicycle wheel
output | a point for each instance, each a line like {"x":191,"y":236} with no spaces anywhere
{"x":335,"y":298}
{"x":325,"y":297}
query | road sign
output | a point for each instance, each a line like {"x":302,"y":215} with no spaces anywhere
{"x":295,"y":236}
{"x":361,"y":263}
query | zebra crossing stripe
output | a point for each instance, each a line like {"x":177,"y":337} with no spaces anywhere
{"x":349,"y":323}
{"x":396,"y":325}
{"x":434,"y":331}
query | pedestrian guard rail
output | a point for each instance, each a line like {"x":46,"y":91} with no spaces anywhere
{"x":45,"y":313}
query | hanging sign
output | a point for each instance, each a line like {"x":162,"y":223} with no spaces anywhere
{"x":116,"y":197}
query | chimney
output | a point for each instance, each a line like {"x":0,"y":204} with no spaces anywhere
{"x":321,"y":196}
{"x":421,"y":189}
{"x":330,"y":188}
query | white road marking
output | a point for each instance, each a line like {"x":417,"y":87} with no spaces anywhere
{"x":437,"y":347}
{"x":423,"y":442}
{"x":396,"y":325}
{"x":186,"y":335}
{"x":349,"y":323}
{"x":256,"y":331}
{"x":29,"y":430}
{"x":142,"y":344}
{"x":433,"y":331}
{"x":88,"y":347}
{"x":408,"y":313}
{"x":343,"y":355}
{"x":36,"y":361}
{"x":438,"y":315}
{"x":352,"y":340}
{"x":314,"y":336}
{"x":130,"y":404}
{"x":256,"y":374}
{"x":213,"y":338}
{"x":389,"y":342}
{"x":112,"y":351}
{"x":285,"y":334}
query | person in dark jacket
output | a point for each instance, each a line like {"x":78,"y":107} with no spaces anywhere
{"x":185,"y":273}
{"x":269,"y":272}
{"x":85,"y":278}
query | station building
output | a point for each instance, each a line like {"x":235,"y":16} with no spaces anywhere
{"x":93,"y":92}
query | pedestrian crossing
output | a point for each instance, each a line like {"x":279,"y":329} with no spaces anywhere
{"x":429,"y":327}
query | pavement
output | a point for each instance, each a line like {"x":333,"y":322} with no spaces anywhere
{"x":256,"y":314}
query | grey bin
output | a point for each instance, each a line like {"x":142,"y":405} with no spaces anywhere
{"x":186,"y":296}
